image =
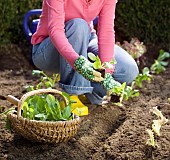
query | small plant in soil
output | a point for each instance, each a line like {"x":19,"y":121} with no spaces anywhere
{"x":160,"y":63}
{"x":144,"y":76}
{"x":118,"y":94}
{"x":151,"y":140}
{"x":45,"y":80}
{"x":4,"y":114}
{"x":97,"y":65}
{"x":135,"y":48}
{"x":130,"y":92}
{"x":156,"y":127}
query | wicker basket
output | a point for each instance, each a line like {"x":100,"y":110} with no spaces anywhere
{"x":43,"y":131}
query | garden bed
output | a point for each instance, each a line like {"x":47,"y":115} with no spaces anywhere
{"x":108,"y":132}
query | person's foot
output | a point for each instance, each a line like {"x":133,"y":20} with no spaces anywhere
{"x":78,"y":107}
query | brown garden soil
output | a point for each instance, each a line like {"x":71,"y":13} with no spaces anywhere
{"x":108,"y":133}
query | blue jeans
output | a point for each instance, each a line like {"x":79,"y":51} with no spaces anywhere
{"x":47,"y":58}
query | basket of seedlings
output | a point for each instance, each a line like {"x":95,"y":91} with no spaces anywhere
{"x":43,"y":115}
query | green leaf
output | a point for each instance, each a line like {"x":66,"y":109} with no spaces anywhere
{"x":145,"y":71}
{"x":31,"y":113}
{"x":40,"y":106}
{"x":163,"y":55}
{"x":48,"y":84}
{"x":51,"y":103}
{"x":8,"y":111}
{"x":156,"y":126}
{"x":92,"y":56}
{"x":145,"y":76}
{"x":159,"y":64}
{"x":36,"y":72}
{"x":68,"y":98}
{"x":50,"y":99}
{"x":25,"y":109}
{"x":66,"y":112}
{"x":107,"y":65}
{"x":8,"y":124}
{"x":41,"y":116}
{"x":113,"y":61}
{"x":66,"y":95}
{"x":163,"y":63}
{"x":39,"y":85}
{"x":29,"y":88}
{"x":151,"y":140}
{"x":49,"y":113}
{"x":97,"y":64}
{"x":57,"y":110}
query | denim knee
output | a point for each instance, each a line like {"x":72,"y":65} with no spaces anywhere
{"x":131,"y":73}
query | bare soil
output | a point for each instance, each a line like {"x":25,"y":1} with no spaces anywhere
{"x":107,"y":133}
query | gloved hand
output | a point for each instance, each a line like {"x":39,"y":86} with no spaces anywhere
{"x":109,"y":83}
{"x":85,"y":68}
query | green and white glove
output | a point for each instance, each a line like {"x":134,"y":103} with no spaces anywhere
{"x":85,"y":68}
{"x":109,"y":83}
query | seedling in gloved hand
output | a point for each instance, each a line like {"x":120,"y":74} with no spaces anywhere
{"x":97,"y":65}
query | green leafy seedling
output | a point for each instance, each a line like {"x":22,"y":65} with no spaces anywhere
{"x":156,"y":126}
{"x":151,"y":140}
{"x":160,"y":63}
{"x":159,"y":114}
{"x":117,"y":91}
{"x":45,"y":80}
{"x":144,"y":76}
{"x":130,"y":92}
{"x":4,"y":114}
{"x":123,"y":92}
{"x":97,"y":62}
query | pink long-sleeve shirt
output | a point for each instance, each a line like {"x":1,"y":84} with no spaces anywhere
{"x":56,"y":12}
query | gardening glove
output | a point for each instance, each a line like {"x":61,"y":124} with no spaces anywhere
{"x":109,"y":83}
{"x":85,"y":68}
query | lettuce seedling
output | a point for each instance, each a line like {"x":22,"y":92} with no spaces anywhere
{"x":156,"y":125}
{"x":4,"y":114}
{"x":160,"y":63}
{"x":144,"y":76}
{"x":135,"y":48}
{"x":45,"y":80}
{"x":159,"y":114}
{"x":119,"y":93}
{"x":169,"y":100}
{"x":97,"y":65}
{"x":151,"y":140}
{"x":130,"y":92}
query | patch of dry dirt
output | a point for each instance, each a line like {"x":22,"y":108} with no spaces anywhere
{"x":107,"y":133}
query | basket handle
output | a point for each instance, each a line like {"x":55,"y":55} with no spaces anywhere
{"x":36,"y":92}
